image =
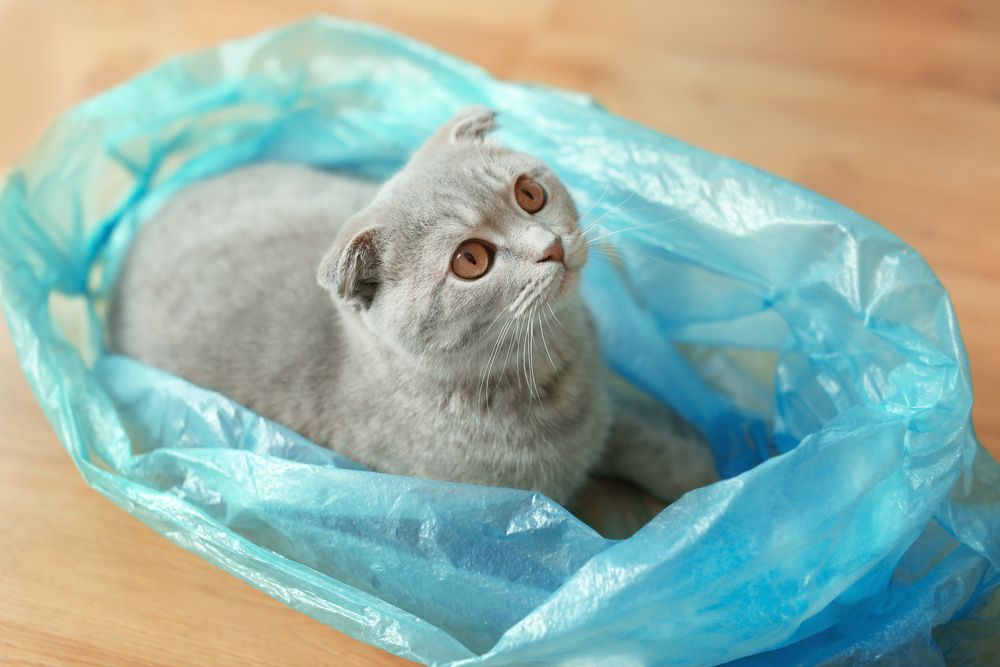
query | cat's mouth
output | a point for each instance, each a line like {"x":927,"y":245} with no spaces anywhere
{"x":547,"y":291}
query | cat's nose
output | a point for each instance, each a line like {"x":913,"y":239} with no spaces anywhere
{"x":554,"y":253}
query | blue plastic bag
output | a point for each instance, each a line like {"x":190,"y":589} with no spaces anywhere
{"x":816,"y":352}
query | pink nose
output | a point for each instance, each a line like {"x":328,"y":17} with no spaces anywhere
{"x":554,"y":253}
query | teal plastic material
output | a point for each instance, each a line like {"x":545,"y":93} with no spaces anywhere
{"x":816,"y":352}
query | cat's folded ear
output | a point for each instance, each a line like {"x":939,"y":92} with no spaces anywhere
{"x":470,"y":125}
{"x":351,"y":269}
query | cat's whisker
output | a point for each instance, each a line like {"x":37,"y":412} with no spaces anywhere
{"x":613,"y":209}
{"x":611,"y":253}
{"x":500,"y":334}
{"x":614,"y":232}
{"x":516,"y":307}
{"x":543,"y":320}
{"x":531,"y":355}
{"x":603,"y":248}
{"x":494,"y":353}
{"x":498,"y":348}
{"x":510,"y":348}
{"x":615,"y":254}
{"x":531,"y":352}
{"x":420,"y":358}
{"x":556,"y":317}
{"x":528,"y":301}
{"x":596,"y":203}
{"x":514,"y":340}
{"x":484,"y":377}
{"x":517,"y":304}
{"x":534,"y":377}
{"x":499,"y":315}
{"x":607,"y":214}
{"x":604,"y":216}
{"x":504,"y":335}
{"x":522,"y":349}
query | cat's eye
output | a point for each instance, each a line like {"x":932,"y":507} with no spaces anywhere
{"x":530,"y":195}
{"x":472,"y":259}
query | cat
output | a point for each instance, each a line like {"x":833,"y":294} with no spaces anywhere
{"x":432,"y":326}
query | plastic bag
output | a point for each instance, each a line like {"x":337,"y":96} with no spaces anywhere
{"x":817,"y":353}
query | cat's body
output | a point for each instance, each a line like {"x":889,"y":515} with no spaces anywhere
{"x":411,"y":369}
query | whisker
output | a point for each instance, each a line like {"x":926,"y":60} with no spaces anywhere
{"x":493,"y":357}
{"x":534,"y":377}
{"x":605,"y":216}
{"x":594,"y":204}
{"x":531,"y":356}
{"x":541,"y":330}
{"x":510,"y":349}
{"x":615,"y":232}
{"x":556,"y":317}
{"x":605,"y":249}
{"x":420,"y":359}
{"x":502,"y":311}
{"x":523,"y":350}
{"x":613,"y":209}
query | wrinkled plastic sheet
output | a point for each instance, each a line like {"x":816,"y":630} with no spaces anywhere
{"x":816,"y":352}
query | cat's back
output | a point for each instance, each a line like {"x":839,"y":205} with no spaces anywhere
{"x":219,"y":286}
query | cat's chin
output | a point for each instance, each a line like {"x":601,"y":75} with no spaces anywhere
{"x":567,"y":283}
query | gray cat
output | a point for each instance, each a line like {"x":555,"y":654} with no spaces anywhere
{"x":456,"y":346}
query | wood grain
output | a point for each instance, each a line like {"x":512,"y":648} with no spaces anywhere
{"x":892,"y":110}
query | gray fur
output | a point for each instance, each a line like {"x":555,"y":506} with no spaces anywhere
{"x":390,"y":359}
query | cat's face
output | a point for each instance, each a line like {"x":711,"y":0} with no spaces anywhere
{"x":467,"y":237}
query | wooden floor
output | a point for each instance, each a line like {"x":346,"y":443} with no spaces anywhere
{"x":893,"y":110}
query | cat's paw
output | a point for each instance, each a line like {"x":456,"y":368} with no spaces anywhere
{"x":666,"y":459}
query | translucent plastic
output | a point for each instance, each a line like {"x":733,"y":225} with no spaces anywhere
{"x":816,"y":351}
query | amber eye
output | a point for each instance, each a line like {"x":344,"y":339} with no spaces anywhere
{"x":472,"y":260}
{"x":529,"y":194}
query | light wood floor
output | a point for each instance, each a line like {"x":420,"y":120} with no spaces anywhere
{"x":892,"y":108}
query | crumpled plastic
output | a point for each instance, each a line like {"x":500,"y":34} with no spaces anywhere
{"x":858,"y":518}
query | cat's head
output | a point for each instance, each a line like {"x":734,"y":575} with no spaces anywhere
{"x":467,"y":236}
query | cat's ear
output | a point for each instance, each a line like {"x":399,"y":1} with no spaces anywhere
{"x":470,"y":125}
{"x":351,"y":270}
